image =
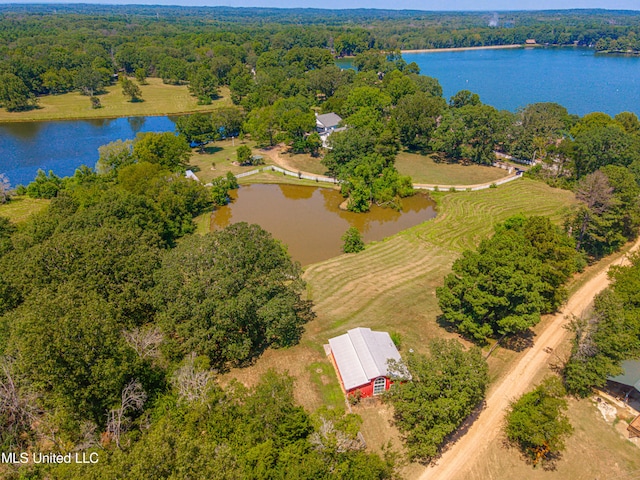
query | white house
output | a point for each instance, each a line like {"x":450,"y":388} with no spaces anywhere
{"x":326,"y":124}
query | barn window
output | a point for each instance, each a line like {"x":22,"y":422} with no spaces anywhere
{"x":379,"y":385}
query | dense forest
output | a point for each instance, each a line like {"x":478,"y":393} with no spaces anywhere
{"x":50,"y":50}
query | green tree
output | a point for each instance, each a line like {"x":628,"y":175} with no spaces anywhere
{"x":599,"y":146}
{"x":198,"y":129}
{"x":141,"y":76}
{"x":470,"y":132}
{"x":113,"y":156}
{"x":165,"y":149}
{"x":464,"y":98}
{"x":89,"y":81}
{"x":14,"y":94}
{"x":417,"y":116}
{"x":537,"y":424}
{"x":69,"y":344}
{"x":513,"y":277}
{"x":609,"y":215}
{"x":227,"y":121}
{"x":244,"y":154}
{"x":445,"y":387}
{"x":262,"y":124}
{"x":203,"y":84}
{"x":44,"y":185}
{"x":352,"y":241}
{"x":131,"y":90}
{"x":249,"y":301}
{"x":607,"y":336}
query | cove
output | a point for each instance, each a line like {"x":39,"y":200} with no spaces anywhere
{"x":62,"y":146}
{"x":308,"y":220}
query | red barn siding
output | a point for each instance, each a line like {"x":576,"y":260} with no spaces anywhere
{"x":366,"y":390}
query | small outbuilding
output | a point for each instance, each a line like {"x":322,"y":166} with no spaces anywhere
{"x":361,"y":359}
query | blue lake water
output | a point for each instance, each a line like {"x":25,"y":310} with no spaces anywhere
{"x":510,"y":78}
{"x":62,"y":146}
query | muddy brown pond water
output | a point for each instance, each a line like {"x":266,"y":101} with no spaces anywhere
{"x":309,"y":222}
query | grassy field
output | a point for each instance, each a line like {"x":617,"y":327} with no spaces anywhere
{"x":422,"y":169}
{"x":19,"y":208}
{"x":159,"y":99}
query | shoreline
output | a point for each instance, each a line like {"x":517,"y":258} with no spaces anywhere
{"x":462,"y":49}
{"x":106,"y":117}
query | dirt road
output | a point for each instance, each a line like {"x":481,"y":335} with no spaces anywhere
{"x":462,"y":455}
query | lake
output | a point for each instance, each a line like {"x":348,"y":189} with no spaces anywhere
{"x":507,"y":79}
{"x":308,"y":220}
{"x":510,"y":78}
{"x":62,"y":146}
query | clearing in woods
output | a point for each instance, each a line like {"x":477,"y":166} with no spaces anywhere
{"x":158,"y":99}
{"x":18,"y":209}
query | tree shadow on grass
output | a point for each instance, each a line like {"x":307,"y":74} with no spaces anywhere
{"x":212,"y":149}
{"x":547,"y":462}
{"x":519,"y":342}
{"x":446,"y":324}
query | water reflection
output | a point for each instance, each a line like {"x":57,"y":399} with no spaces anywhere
{"x":136,"y":123}
{"x":21,"y":130}
{"x":308,"y":220}
{"x":296,"y":194}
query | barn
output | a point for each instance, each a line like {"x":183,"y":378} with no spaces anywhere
{"x":360,"y":358}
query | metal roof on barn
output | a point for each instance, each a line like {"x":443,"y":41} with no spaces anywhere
{"x":361,"y":355}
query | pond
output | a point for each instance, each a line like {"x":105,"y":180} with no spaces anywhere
{"x":309,"y":222}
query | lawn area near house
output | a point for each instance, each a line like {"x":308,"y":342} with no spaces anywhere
{"x":159,"y":99}
{"x":304,"y":162}
{"x":422,"y":169}
{"x":19,"y":208}
{"x":218,"y":159}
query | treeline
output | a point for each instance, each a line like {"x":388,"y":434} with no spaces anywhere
{"x":52,"y":50}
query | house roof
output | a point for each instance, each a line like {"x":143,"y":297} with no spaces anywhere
{"x":361,"y":355}
{"x":631,"y":375}
{"x":328,"y":120}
